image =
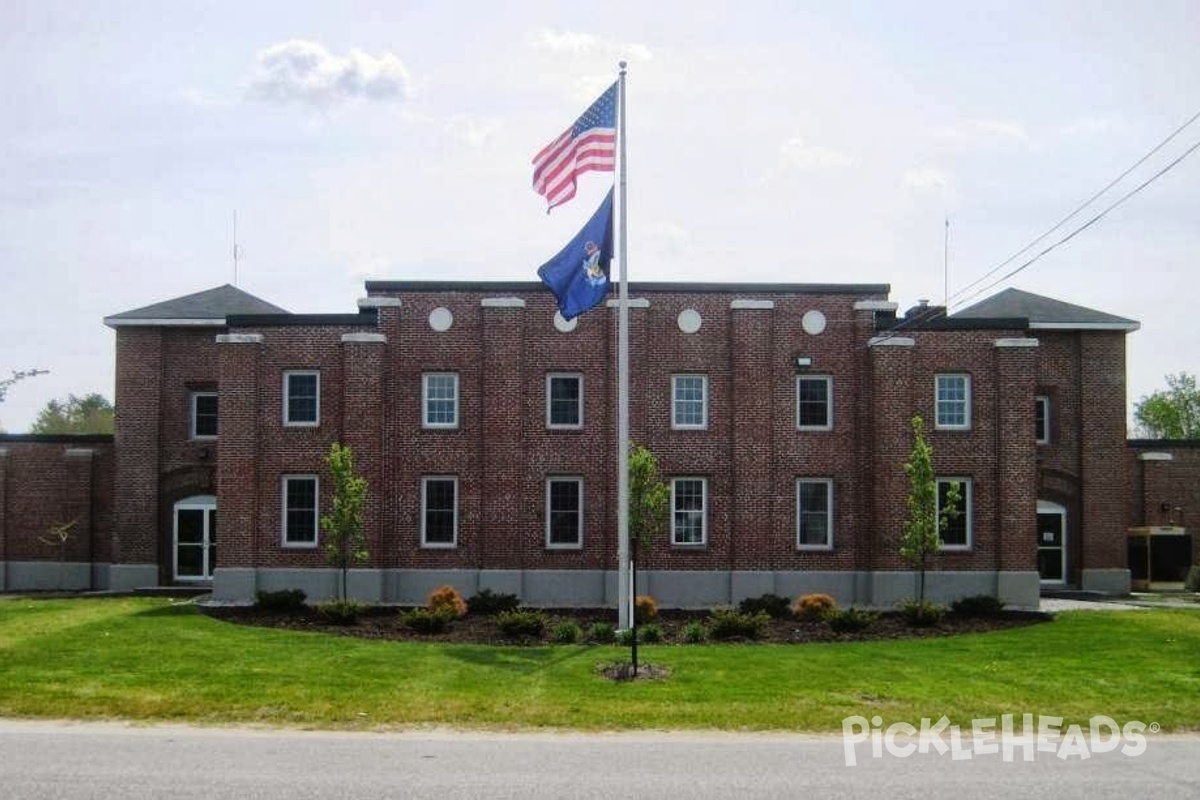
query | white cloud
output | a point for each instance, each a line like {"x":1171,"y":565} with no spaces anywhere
{"x":473,"y":131}
{"x":586,"y":44}
{"x":795,"y":153}
{"x":1086,"y":126}
{"x":978,"y":132}
{"x":925,"y":179}
{"x":300,"y":71}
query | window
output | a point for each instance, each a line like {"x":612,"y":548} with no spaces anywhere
{"x":300,"y":510}
{"x":688,"y":506}
{"x":814,"y":403}
{"x":564,"y":401}
{"x":202,"y":415}
{"x":954,"y":402}
{"x":814,"y":514}
{"x":689,"y":407}
{"x":439,"y":392}
{"x":1041,"y":419}
{"x":956,"y":534}
{"x":564,"y":512}
{"x":439,"y":511}
{"x":301,"y":398}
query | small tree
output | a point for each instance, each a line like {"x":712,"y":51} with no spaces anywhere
{"x":345,"y":542}
{"x":1173,"y":413}
{"x":89,"y":414}
{"x":922,"y":530}
{"x":649,"y":498}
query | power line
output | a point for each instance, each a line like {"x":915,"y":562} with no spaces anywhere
{"x":1085,"y":225}
{"x":1078,"y":209}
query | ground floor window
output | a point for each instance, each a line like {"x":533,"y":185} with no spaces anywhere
{"x":439,"y":511}
{"x":300,"y":510}
{"x":814,"y":514}
{"x":564,"y":512}
{"x":956,"y":533}
{"x":689,"y":501}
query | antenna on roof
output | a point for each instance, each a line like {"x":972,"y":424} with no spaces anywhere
{"x":946,"y":263}
{"x":236,"y":250}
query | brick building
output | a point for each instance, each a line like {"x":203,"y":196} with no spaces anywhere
{"x":485,"y":424}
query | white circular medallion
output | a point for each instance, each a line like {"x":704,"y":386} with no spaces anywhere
{"x":689,"y":320}
{"x":564,"y":325}
{"x":813,"y":323}
{"x":440,"y":319}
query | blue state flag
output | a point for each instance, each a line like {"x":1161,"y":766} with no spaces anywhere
{"x":578,"y":275}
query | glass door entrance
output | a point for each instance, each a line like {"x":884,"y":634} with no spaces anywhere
{"x":195,"y":538}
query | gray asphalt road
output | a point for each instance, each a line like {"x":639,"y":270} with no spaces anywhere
{"x":41,"y":761}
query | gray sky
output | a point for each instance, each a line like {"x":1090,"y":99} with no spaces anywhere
{"x":800,"y":142}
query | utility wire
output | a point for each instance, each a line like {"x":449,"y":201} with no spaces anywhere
{"x":1085,"y":225}
{"x":1078,"y":210}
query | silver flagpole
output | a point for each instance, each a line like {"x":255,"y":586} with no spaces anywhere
{"x":624,"y":589}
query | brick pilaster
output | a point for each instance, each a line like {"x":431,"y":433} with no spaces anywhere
{"x":238,"y":479}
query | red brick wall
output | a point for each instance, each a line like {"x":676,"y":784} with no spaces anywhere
{"x":46,"y":482}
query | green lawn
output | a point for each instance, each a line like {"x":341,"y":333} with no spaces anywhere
{"x":153,"y":660}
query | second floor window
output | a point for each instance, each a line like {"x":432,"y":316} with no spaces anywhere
{"x":564,"y":400}
{"x":301,"y":398}
{"x":689,"y":401}
{"x":203,"y":415}
{"x":439,"y":400}
{"x":1041,"y":419}
{"x":953,"y":402}
{"x":814,"y":402}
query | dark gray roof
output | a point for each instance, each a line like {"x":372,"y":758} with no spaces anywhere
{"x":209,"y":307}
{"x":1045,"y":313}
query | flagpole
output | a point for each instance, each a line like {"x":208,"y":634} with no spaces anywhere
{"x":624,"y":588}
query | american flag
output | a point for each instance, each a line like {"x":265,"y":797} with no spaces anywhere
{"x":588,"y":145}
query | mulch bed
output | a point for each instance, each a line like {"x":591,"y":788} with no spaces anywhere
{"x":384,"y":623}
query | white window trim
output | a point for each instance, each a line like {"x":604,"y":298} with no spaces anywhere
{"x":192,"y":397}
{"x":1043,"y":401}
{"x":425,"y":423}
{"x":938,"y":425}
{"x":703,"y":516}
{"x":425,"y":479}
{"x":578,"y":543}
{"x":828,"y":380}
{"x":283,"y":505}
{"x":828,"y":482}
{"x":550,"y":376}
{"x":703,"y":424}
{"x":968,"y":503}
{"x":287,"y":420}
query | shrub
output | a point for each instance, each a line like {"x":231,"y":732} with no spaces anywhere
{"x":340,"y":612}
{"x":772,"y":605}
{"x":521,"y":622}
{"x":624,"y":637}
{"x":566,"y":632}
{"x":650,"y":634}
{"x":849,"y":620}
{"x":979,"y":605}
{"x":694,"y":632}
{"x":428,"y":620}
{"x":289,"y":600}
{"x":726,"y":623}
{"x":645,"y":609}
{"x":447,"y":598}
{"x":487,"y":603}
{"x":601,"y":632}
{"x":813,"y":607}
{"x":921,"y":613}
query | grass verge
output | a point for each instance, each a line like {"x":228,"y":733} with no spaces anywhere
{"x":150,"y":659}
